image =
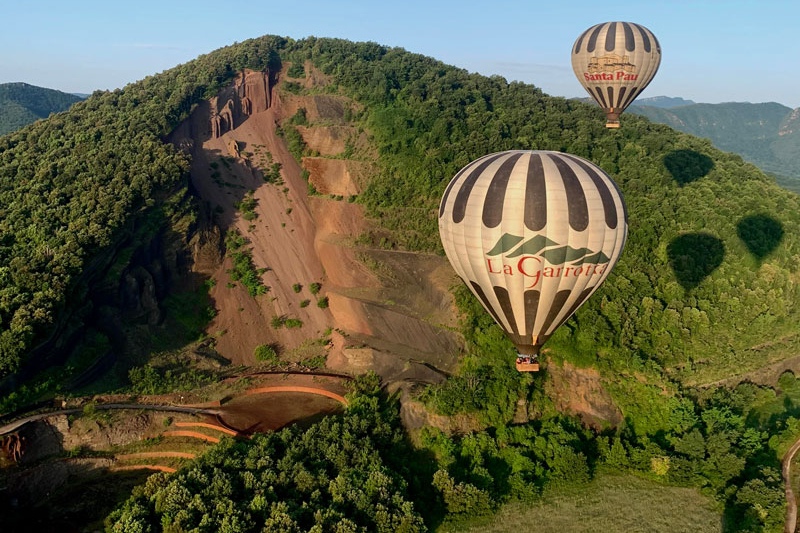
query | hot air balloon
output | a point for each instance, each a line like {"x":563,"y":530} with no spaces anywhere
{"x":614,"y":61}
{"x":533,"y":234}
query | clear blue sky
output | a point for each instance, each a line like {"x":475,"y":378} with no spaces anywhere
{"x":713,"y":51}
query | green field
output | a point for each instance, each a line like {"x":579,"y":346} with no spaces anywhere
{"x":611,"y":503}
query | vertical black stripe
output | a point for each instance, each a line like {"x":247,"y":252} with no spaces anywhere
{"x":555,"y":308}
{"x":601,"y":99}
{"x":592,"y":44}
{"x":496,"y":192}
{"x":535,"y":195}
{"x":656,"y":43}
{"x":610,"y":96}
{"x":447,"y":191}
{"x":621,"y":97}
{"x":576,"y":199}
{"x":582,"y":298}
{"x":579,"y":42}
{"x":460,"y":204}
{"x":645,"y":37}
{"x":609,"y":209}
{"x":478,"y":290}
{"x":531,"y":306}
{"x":630,"y":42}
{"x":505,"y":304}
{"x":575,"y":305}
{"x":450,"y":187}
{"x":611,"y":37}
{"x":631,"y":97}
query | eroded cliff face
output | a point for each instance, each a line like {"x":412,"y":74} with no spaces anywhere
{"x":250,"y":94}
{"x":391,"y":310}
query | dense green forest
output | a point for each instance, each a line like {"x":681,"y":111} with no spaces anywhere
{"x":21,"y":104}
{"x":764,"y":134}
{"x":704,"y":291}
{"x":346,"y":473}
{"x":76,"y":187}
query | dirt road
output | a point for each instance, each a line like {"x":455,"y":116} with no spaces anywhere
{"x":791,"y":501}
{"x":16,"y":424}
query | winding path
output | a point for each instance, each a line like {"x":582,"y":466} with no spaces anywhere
{"x":298,"y":388}
{"x":791,"y":501}
{"x":16,"y":424}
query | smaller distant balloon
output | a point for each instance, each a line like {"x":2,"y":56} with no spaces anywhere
{"x":615,"y":61}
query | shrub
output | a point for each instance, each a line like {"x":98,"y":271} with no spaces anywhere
{"x":297,"y":70}
{"x":293,"y":323}
{"x":266,"y":353}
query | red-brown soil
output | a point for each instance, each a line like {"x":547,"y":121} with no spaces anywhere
{"x":159,"y":468}
{"x":395,"y":304}
{"x":277,"y":400}
{"x":190,"y":434}
{"x":270,"y":411}
{"x":150,"y":455}
{"x":389,"y":311}
{"x":206,"y":425}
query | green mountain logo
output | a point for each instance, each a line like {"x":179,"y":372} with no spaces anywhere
{"x":512,"y":246}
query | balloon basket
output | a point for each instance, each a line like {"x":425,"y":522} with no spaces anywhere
{"x":527,"y":365}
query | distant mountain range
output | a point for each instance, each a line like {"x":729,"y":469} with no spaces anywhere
{"x":664,"y":101}
{"x":21,"y":104}
{"x":766,"y":134}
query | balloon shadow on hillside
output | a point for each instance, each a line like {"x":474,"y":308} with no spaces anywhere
{"x":687,"y":166}
{"x":760,"y":233}
{"x":693,"y":256}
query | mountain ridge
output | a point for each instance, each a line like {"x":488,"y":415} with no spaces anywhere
{"x":22,"y":103}
{"x":765,"y":134}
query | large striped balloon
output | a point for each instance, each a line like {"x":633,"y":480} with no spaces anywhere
{"x":533,"y":234}
{"x":614,"y":61}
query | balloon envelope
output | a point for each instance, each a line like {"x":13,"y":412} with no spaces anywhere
{"x":533,"y":234}
{"x":615,"y":61}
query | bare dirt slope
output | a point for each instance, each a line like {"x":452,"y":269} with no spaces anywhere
{"x":388,"y":311}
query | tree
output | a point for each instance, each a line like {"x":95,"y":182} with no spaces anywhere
{"x":338,"y":475}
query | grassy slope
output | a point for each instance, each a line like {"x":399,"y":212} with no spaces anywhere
{"x":609,"y":503}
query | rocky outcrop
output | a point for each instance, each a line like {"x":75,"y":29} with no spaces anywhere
{"x":250,"y":93}
{"x":254,"y":88}
{"x":233,"y":149}
{"x":790,"y":124}
{"x":415,"y":416}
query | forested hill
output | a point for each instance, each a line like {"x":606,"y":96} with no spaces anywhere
{"x":21,"y":104}
{"x":767,"y":134}
{"x":706,"y":286}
